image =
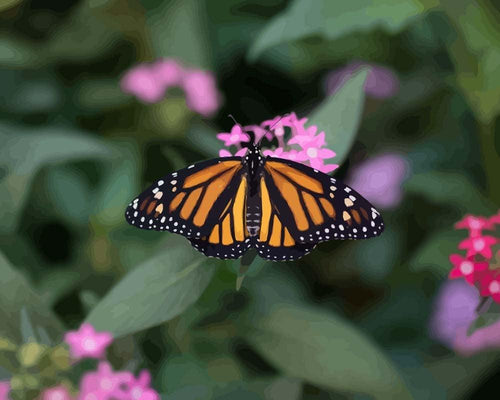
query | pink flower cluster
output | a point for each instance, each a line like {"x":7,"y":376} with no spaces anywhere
{"x":295,"y":141}
{"x":478,"y":266}
{"x":149,"y":83}
{"x":101,"y":384}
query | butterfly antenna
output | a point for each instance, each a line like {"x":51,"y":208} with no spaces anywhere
{"x":234,"y":119}
{"x":271,"y":127}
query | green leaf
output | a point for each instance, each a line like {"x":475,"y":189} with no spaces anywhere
{"x":340,"y":115}
{"x":184,"y":20}
{"x":335,"y":18}
{"x":154,"y":292}
{"x":23,"y":313}
{"x":434,"y":252}
{"x":452,"y":189}
{"x":491,"y":316}
{"x":119,"y":184}
{"x":475,"y":50}
{"x":23,"y":152}
{"x":6,"y":4}
{"x":323,"y":349}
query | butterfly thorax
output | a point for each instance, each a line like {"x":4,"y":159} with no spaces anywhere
{"x":254,"y":163}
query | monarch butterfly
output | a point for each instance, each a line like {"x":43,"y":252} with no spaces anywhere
{"x":228,"y":205}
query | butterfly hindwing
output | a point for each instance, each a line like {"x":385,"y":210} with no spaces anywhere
{"x":229,"y":237}
{"x":189,"y":201}
{"x":316,"y":207}
{"x":274,"y":241}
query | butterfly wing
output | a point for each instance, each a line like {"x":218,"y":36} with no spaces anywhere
{"x":229,"y":237}
{"x":188,"y":202}
{"x":315,"y":207}
{"x":274,"y":240}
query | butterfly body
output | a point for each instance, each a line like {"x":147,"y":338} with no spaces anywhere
{"x":228,"y":205}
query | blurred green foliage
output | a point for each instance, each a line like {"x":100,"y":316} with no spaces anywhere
{"x":348,"y":321}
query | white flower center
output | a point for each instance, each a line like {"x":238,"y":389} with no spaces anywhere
{"x":279,"y":131}
{"x":475,"y":224}
{"x":89,"y":344}
{"x":312,"y":152}
{"x":234,"y":137}
{"x":494,"y":287}
{"x":57,"y":395}
{"x":466,"y":267}
{"x":136,"y":393}
{"x":478,"y":244}
{"x":106,"y":383}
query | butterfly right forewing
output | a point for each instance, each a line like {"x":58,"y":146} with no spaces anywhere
{"x":315,"y":207}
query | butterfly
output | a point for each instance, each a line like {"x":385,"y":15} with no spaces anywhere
{"x":283,"y":209}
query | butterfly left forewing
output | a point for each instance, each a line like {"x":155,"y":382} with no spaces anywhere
{"x":189,"y":201}
{"x":316,"y":207}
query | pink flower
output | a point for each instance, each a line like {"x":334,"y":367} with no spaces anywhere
{"x":56,"y":393}
{"x":277,"y":152}
{"x":234,"y":137}
{"x":381,"y":82}
{"x":227,"y":153}
{"x":466,"y":268}
{"x":139,"y":389}
{"x":478,"y":245}
{"x":474,"y":224}
{"x":380,"y":179}
{"x":87,"y":343}
{"x":105,"y":383}
{"x":313,"y":151}
{"x":454,"y":311}
{"x":4,"y":390}
{"x":201,"y":92}
{"x":295,"y":141}
{"x":149,"y":82}
{"x":495,"y":219}
{"x":140,"y":82}
{"x":167,"y":73}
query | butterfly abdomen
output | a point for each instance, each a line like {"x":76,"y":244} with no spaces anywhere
{"x":253,"y":216}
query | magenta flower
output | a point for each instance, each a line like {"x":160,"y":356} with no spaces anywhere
{"x":87,"y":343}
{"x":466,"y":268}
{"x":381,"y":82}
{"x":478,"y":245}
{"x":295,"y":141}
{"x":474,"y":224}
{"x":380,"y":179}
{"x":56,"y":393}
{"x":150,"y":82}
{"x":201,"y":92}
{"x":490,"y":285}
{"x":236,"y":136}
{"x":4,"y":390}
{"x":105,"y":383}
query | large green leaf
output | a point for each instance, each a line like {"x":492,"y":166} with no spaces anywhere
{"x":322,"y":348}
{"x":23,"y":152}
{"x":340,"y":115}
{"x":23,"y":314}
{"x":452,"y":189}
{"x":474,"y":47}
{"x":154,"y":292}
{"x":335,"y":18}
{"x":178,"y":29}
